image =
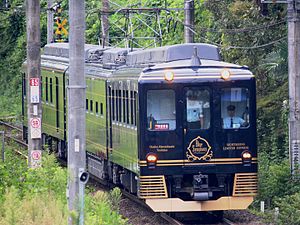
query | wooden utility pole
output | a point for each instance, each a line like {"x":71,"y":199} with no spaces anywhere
{"x":189,"y":12}
{"x":34,"y":110}
{"x":294,"y":83}
{"x":76,"y":111}
{"x":50,"y":21}
{"x":105,"y":23}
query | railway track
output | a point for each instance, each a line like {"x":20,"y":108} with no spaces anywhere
{"x":168,"y":218}
{"x":8,"y":135}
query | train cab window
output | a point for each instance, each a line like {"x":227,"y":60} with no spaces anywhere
{"x":235,"y":108}
{"x":86,"y":105}
{"x":161,"y":112}
{"x":197,"y":108}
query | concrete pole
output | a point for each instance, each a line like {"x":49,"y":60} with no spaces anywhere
{"x":294,"y":84}
{"x":105,"y":23}
{"x":188,"y":21}
{"x":76,"y":104}
{"x":50,"y":22}
{"x":34,"y":111}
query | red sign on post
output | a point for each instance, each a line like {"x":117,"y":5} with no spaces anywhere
{"x":35,"y":123}
{"x":36,"y":154}
{"x":35,"y":128}
{"x":36,"y":158}
{"x":34,"y":81}
{"x":34,"y":90}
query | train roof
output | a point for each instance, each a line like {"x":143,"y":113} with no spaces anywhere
{"x":120,"y":62}
{"x":115,"y":57}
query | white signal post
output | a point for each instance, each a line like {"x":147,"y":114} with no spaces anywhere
{"x":34,"y":107}
{"x":77,"y":176}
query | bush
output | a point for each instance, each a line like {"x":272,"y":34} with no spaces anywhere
{"x":99,"y":210}
{"x":275,"y":180}
{"x":289,"y":208}
{"x":36,"y":209}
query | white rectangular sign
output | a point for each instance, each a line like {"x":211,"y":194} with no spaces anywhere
{"x":35,"y":128}
{"x":34,"y":90}
{"x":295,"y":161}
{"x":77,"y":146}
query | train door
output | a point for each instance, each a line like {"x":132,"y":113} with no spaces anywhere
{"x":197,"y":125}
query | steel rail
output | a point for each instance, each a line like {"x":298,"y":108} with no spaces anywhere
{"x":170,"y":219}
{"x":228,"y":222}
{"x":10,"y":126}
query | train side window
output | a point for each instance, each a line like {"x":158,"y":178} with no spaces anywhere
{"x":198,"y":108}
{"x":91,"y":106}
{"x":235,"y":108}
{"x":161,"y":111}
{"x":127,"y":107}
{"x":117,"y":105}
{"x":124,"y":107}
{"x":47,"y":89}
{"x":131,"y":108}
{"x":120,"y":105}
{"x":97,"y":108}
{"x":51,"y":91}
{"x":113,"y":104}
{"x":135,"y":108}
{"x":86,"y":105}
{"x":101,"y":109}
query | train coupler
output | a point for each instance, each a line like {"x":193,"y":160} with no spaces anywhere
{"x":200,"y":186}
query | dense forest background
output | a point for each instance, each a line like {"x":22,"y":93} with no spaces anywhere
{"x":247,"y":33}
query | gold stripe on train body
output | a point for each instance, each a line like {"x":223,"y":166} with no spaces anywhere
{"x":189,"y":163}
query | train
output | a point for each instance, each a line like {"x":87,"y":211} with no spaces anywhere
{"x":173,"y":125}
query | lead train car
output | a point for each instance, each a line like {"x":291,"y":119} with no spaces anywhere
{"x":174,"y":125}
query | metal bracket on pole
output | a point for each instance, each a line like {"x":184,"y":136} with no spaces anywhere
{"x":76,"y":87}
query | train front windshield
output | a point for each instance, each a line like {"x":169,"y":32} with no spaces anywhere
{"x":161,"y":109}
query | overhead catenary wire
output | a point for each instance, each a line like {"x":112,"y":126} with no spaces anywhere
{"x":142,"y":11}
{"x":235,"y":47}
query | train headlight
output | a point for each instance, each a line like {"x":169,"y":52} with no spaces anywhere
{"x":151,"y":159}
{"x":169,"y":76}
{"x":246,"y":157}
{"x":225,"y":74}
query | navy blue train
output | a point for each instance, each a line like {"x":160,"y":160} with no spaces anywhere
{"x":174,"y":125}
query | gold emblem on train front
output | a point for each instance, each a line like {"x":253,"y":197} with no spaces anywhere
{"x":199,"y":149}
